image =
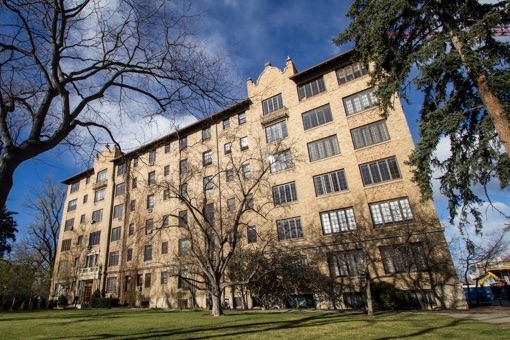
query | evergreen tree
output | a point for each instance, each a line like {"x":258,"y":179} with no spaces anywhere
{"x":7,"y":230}
{"x":450,"y":50}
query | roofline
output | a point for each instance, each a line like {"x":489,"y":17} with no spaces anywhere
{"x":244,"y":104}
{"x":82,"y":174}
{"x":323,"y":66}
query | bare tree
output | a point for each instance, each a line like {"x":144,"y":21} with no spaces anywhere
{"x":222,"y":203}
{"x":67,"y":66}
{"x":475,"y":258}
{"x":42,"y":233}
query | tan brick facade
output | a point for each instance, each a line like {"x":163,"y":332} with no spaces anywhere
{"x":327,"y":173}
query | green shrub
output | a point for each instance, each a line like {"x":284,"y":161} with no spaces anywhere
{"x":388,"y":297}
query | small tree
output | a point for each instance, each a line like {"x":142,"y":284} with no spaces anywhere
{"x":476,"y":257}
{"x":8,"y":229}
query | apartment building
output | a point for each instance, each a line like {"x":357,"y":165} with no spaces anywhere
{"x":310,"y":162}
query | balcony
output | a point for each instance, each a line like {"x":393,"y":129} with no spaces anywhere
{"x":88,"y":272}
{"x":275,"y":115}
{"x":100,"y":184}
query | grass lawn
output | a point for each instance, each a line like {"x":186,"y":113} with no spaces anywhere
{"x":148,"y":324}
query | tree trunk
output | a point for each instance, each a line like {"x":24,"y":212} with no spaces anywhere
{"x":6,"y":178}
{"x":492,"y":103}
{"x":216,"y":309}
{"x":370,"y":301}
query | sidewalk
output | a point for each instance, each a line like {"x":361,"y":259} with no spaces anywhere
{"x":485,"y":317}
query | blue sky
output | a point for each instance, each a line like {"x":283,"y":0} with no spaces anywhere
{"x":254,"y":32}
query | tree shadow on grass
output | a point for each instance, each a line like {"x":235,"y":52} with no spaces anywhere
{"x":244,"y":326}
{"x":222,"y":330}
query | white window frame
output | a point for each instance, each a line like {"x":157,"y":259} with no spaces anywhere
{"x":337,"y":221}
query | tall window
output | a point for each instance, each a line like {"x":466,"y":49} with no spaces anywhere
{"x":148,"y":278}
{"x":209,"y":212}
{"x":207,"y":158}
{"x":166,"y":194}
{"x":132,"y":205}
{"x":183,"y":143}
{"x":280,"y":161}
{"x":101,"y":176}
{"x":251,"y":234}
{"x":359,"y":102}
{"x":151,"y":178}
{"x":183,"y":166}
{"x":165,"y":222}
{"x":113,"y":258}
{"x":117,"y":211}
{"x":97,"y":216}
{"x":147,"y":252}
{"x":75,"y":186}
{"x":149,"y":226}
{"x":94,"y":238}
{"x":246,"y":171}
{"x":227,"y":148}
{"x":99,"y":195}
{"x":390,"y":212}
{"x":229,"y":174}
{"x":66,"y":245}
{"x":403,"y":258}
{"x":208,"y":183}
{"x":272,"y":104}
{"x":164,"y":247}
{"x":370,"y":134}
{"x":316,"y":117}
{"x":69,"y":224}
{"x":346,"y":263}
{"x":167,"y":147}
{"x":379,"y":171}
{"x":183,"y":247}
{"x":206,"y":133}
{"x":183,"y":191}
{"x":134,"y":183}
{"x":323,"y":148}
{"x":166,"y":170}
{"x":243,"y":141}
{"x":129,"y":254}
{"x":226,"y":124}
{"x":350,"y":72}
{"x":135,"y":162}
{"x":241,"y":118}
{"x":276,"y":132}
{"x":152,"y":157}
{"x":121,"y":169}
{"x":115,"y":234}
{"x":289,"y":229}
{"x":249,"y":201}
{"x":120,"y":189}
{"x":151,"y":201}
{"x":311,"y":88}
{"x":131,"y":229}
{"x":111,"y":285}
{"x":85,"y":198}
{"x":71,"y":206}
{"x":164,"y":278}
{"x":284,"y":193}
{"x":183,"y":218}
{"x":337,"y":221}
{"x":330,"y":182}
